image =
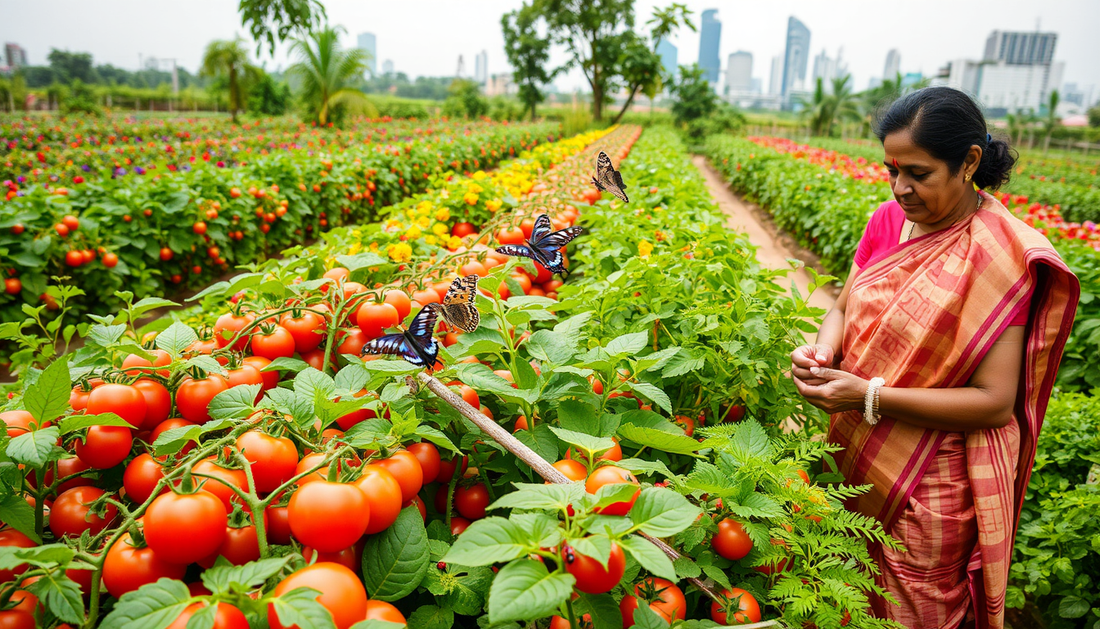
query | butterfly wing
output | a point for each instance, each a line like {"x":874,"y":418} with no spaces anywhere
{"x":393,"y":344}
{"x":458,"y":304}
{"x":558,"y":239}
{"x":516,"y":250}
{"x":541,"y":229}
{"x":416,"y":345}
{"x":609,"y":179}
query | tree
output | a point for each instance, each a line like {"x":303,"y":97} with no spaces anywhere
{"x":1094,"y":116}
{"x":228,"y":59}
{"x":641,"y":66}
{"x":271,"y":20}
{"x":325,"y":72}
{"x":465,"y":100}
{"x":694,"y":97}
{"x":268,"y":96}
{"x":528,"y":53}
{"x":1052,"y":120}
{"x":70,"y":66}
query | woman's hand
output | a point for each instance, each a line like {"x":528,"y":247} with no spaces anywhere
{"x":808,"y":357}
{"x":832,"y":390}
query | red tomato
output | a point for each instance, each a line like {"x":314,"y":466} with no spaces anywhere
{"x":347,"y":421}
{"x":17,"y":619}
{"x":193,"y":396}
{"x":350,"y":557}
{"x":121,"y":399}
{"x":473,"y":267}
{"x":67,"y":467}
{"x":573,"y":470}
{"x":351,"y":341}
{"x":13,"y":538}
{"x":225,"y":617}
{"x":463,"y":229}
{"x":739,"y":608}
{"x":731,"y":541}
{"x":226,"y":479}
{"x":373,"y":319}
{"x":468,"y":394}
{"x":381,"y":610}
{"x":663,"y":597}
{"x":734,"y":413}
{"x":316,"y":358}
{"x":277,"y":342}
{"x":200,"y":518}
{"x":447,"y":469}
{"x":687,"y":423}
{"x":161,"y":358}
{"x":328,"y":516}
{"x":158,"y":402}
{"x":399,"y":299}
{"x":70,"y":514}
{"x":273,"y":459}
{"x":141,"y":477}
{"x":510,"y":236}
{"x":228,"y":325}
{"x":19,"y":422}
{"x":407,"y":470}
{"x":308,"y":329}
{"x":458,"y":525}
{"x":470,"y":502}
{"x":105,"y":446}
{"x":592,"y":578}
{"x":271,"y":378}
{"x":383,"y":494}
{"x":341,"y":593}
{"x":427,"y":296}
{"x":610,"y":475}
{"x":127,"y":568}
{"x":169,"y":424}
{"x":428,"y":456}
{"x":241,"y":545}
{"x":278,"y":526}
{"x":244,"y":375}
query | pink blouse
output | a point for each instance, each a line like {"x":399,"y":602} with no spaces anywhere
{"x":883,"y":233}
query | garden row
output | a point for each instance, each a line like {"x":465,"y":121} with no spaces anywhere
{"x":824,"y":199}
{"x":153,"y":234}
{"x":1069,"y":184}
{"x":654,"y":381}
{"x":816,"y":195}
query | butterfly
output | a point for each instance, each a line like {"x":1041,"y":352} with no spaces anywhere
{"x":458,"y":304}
{"x":608,"y":179}
{"x":544,"y":246}
{"x":416,"y":345}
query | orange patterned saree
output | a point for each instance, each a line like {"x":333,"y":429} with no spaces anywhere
{"x":924,"y":314}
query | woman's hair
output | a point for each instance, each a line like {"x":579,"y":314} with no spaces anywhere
{"x":946,"y":123}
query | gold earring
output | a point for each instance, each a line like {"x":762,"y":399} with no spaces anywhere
{"x":967,"y":177}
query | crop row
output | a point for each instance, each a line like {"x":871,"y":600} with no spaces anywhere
{"x":653,"y":382}
{"x":161,"y":233}
{"x":826,"y":210}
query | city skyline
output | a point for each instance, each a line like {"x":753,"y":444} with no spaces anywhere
{"x":925,"y":43}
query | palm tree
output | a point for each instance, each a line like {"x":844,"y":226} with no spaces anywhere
{"x":824,"y":109}
{"x":844,"y":103}
{"x":326,"y":71}
{"x":227,"y":58}
{"x":1052,"y":119}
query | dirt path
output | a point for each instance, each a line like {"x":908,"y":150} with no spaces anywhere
{"x":773,"y":249}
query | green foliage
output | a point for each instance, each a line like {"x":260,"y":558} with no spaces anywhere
{"x":271,"y":21}
{"x":824,"y":108}
{"x":1094,"y":116}
{"x":694,"y":96}
{"x":80,"y":99}
{"x":268,"y":97}
{"x":528,"y":53}
{"x":326,"y":73}
{"x":464,"y":100}
{"x":1056,"y":562}
{"x":227,"y":59}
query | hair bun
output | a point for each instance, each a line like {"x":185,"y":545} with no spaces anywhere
{"x":995,"y":169}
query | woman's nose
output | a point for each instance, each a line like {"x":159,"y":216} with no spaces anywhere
{"x":901,"y":186}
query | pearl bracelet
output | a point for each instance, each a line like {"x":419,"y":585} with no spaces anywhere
{"x":870,"y":401}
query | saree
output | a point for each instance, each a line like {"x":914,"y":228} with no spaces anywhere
{"x":923,"y":314}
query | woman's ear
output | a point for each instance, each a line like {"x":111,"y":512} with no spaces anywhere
{"x":972,"y":160}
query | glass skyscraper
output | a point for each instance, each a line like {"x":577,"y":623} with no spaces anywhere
{"x":710,"y":33}
{"x":367,"y":43}
{"x":797,"y":56}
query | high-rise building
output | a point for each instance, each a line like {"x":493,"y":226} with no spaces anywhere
{"x":893,"y":65}
{"x":668,"y":54}
{"x":1020,"y":48}
{"x":775,"y":86}
{"x":796,"y":57}
{"x":739,"y":72}
{"x":368,"y":44}
{"x":387,"y":66}
{"x":710,"y":34}
{"x":824,"y":69}
{"x":15,"y":55}
{"x":481,"y":67}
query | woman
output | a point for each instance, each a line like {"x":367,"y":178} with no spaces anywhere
{"x":937,"y":363}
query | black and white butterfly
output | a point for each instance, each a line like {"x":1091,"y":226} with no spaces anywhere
{"x":458,"y":304}
{"x":544,"y":246}
{"x":608,"y":179}
{"x":416,"y":345}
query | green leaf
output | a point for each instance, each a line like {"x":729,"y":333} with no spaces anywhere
{"x":151,"y":303}
{"x":48,"y":397}
{"x":481,"y":378}
{"x":106,"y":335}
{"x":300,"y":607}
{"x":284,"y":363}
{"x":651,"y":557}
{"x":577,"y":416}
{"x":659,"y":439}
{"x":234,"y":403}
{"x":34,"y":448}
{"x":1072,"y":607}
{"x":203,"y":618}
{"x":488,"y":541}
{"x":615,"y":492}
{"x":686,"y":568}
{"x":645,"y":618}
{"x":436,"y":437}
{"x":73,"y":423}
{"x":550,"y":347}
{"x":652,"y":392}
{"x":173,"y":440}
{"x":583,"y":441}
{"x":717,"y":574}
{"x":362,"y":260}
{"x":176,"y":338}
{"x":152,"y":606}
{"x":627,"y":344}
{"x":230,"y":579}
{"x":374,"y":623}
{"x":554,"y":496}
{"x":662,"y":512}
{"x":395,"y":560}
{"x":310,"y":381}
{"x":524,"y":589}
{"x":683,"y":362}
{"x":431,"y":617}
{"x":16,"y":513}
{"x":601,"y":608}
{"x":61,"y":595}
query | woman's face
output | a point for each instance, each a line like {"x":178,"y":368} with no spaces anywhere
{"x":922,"y":184}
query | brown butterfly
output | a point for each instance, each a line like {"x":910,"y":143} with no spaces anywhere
{"x":458,"y":304}
{"x":608,"y":179}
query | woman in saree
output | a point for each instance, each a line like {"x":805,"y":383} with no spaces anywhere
{"x":937,"y":363}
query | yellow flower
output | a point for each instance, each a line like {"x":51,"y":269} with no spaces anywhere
{"x":474,"y":188}
{"x":493,"y":205}
{"x":355,"y":248}
{"x":454,"y":242}
{"x":478,"y":176}
{"x":470,"y":198}
{"x":423,"y":222}
{"x":644,"y":249}
{"x":413,"y":233}
{"x":442,"y":214}
{"x":399,"y":252}
{"x":374,"y":246}
{"x":431,"y":240}
{"x":439,"y":229}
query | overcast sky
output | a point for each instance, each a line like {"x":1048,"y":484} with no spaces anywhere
{"x":425,"y":37}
